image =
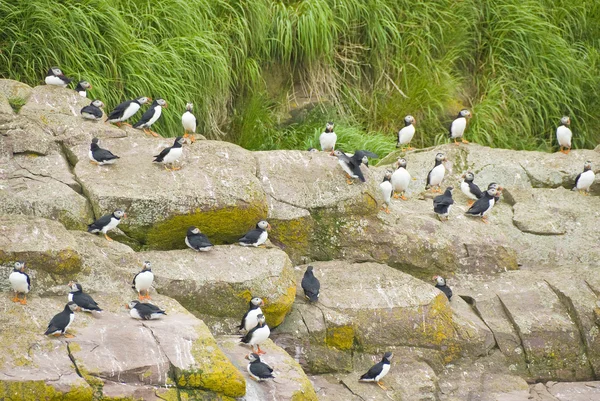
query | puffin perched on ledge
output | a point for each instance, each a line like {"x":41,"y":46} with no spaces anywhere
{"x":126,"y":110}
{"x":56,"y":77}
{"x":150,"y":116}
{"x":378,"y":371}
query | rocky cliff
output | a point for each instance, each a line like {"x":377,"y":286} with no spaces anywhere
{"x":525,"y":310}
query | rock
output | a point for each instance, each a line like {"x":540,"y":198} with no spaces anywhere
{"x":162,"y":205}
{"x":329,"y":388}
{"x":20,"y":135}
{"x":575,"y":391}
{"x":15,"y":91}
{"x":5,"y":108}
{"x":290,"y":384}
{"x":48,"y":99}
{"x":221,"y":282}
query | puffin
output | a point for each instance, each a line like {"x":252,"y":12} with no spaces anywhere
{"x":378,"y":371}
{"x":584,"y":180}
{"x":61,"y":321}
{"x":495,"y":186}
{"x":20,"y":282}
{"x":257,"y":236}
{"x":171,"y":154}
{"x":85,"y":302}
{"x":188,"y":120}
{"x":442,"y":204}
{"x":436,"y":174}
{"x":483,"y":205}
{"x":458,"y":126}
{"x":405,"y":135}
{"x":56,"y":77}
{"x":197,"y":241}
{"x":386,"y":190}
{"x":93,"y":112}
{"x":469,"y":188}
{"x":144,"y":311}
{"x":312,"y":149}
{"x":126,"y":110}
{"x":400,"y":179}
{"x":250,"y":319}
{"x":100,"y":156}
{"x":564,"y":135}
{"x":82,"y":87}
{"x":310,"y":285}
{"x":328,"y":138}
{"x":351,"y":165}
{"x":143,"y":281}
{"x":257,"y":335}
{"x":151,"y":115}
{"x":440,"y":284}
{"x":257,"y":369}
{"x":107,"y":222}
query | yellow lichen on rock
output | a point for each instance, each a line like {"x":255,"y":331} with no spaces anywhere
{"x":40,"y":391}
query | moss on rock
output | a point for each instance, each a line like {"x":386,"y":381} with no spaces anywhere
{"x":63,"y":262}
{"x":341,"y":337}
{"x":40,"y":391}
{"x":275,"y":311}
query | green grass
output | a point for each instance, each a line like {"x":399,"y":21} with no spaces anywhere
{"x":269,"y":74}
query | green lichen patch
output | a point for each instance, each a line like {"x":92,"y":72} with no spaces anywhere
{"x":275,"y":311}
{"x":341,"y":337}
{"x":292,"y":236}
{"x":63,"y":262}
{"x":40,"y":391}
{"x":199,"y":395}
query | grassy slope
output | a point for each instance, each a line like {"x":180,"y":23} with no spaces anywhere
{"x":517,"y":64}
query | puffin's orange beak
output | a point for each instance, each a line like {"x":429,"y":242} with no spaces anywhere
{"x":124,"y":215}
{"x":268,"y":226}
{"x":149,"y":99}
{"x":166,"y":105}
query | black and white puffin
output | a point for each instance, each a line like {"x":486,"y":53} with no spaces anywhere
{"x":126,"y":110}
{"x":93,"y":111}
{"x":100,"y":156}
{"x":171,"y":154}
{"x":400,"y":179}
{"x":443,"y":203}
{"x":257,"y":335}
{"x":61,"y":321}
{"x":257,"y":369}
{"x":564,"y":135}
{"x":20,"y":282}
{"x":85,"y":302}
{"x":143,"y":281}
{"x":436,"y":174}
{"x":458,"y":126}
{"x":378,"y":371}
{"x":310,"y":285}
{"x":188,"y":120}
{"x":144,"y":311}
{"x":82,"y":87}
{"x":151,"y":115}
{"x":107,"y":222}
{"x":469,"y":188}
{"x":406,"y":134}
{"x":585,"y":179}
{"x":351,"y":165}
{"x":257,"y":236}
{"x":440,"y":284}
{"x":56,"y":77}
{"x":328,"y":138}
{"x":197,"y":241}
{"x":495,"y":186}
{"x":250,"y":318}
{"x":483,"y":205}
{"x":386,"y":190}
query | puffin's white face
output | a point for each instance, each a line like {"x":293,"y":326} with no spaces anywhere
{"x":257,"y":301}
{"x":162,"y":102}
{"x":180,"y":140}
{"x":261,"y":318}
{"x":73,"y":286}
{"x":329,"y":126}
{"x":85,"y":84}
{"x":401,"y":162}
{"x":388,"y":356}
{"x":409,"y":119}
{"x":263,"y":224}
{"x":120,"y":213}
{"x":465,"y":113}
{"x":440,"y":280}
{"x":147,"y":265}
{"x":143,"y":99}
{"x":196,"y":230}
{"x":253,"y":357}
{"x":20,"y":266}
{"x":56,"y":71}
{"x":440,"y":157}
{"x":98,"y":103}
{"x":388,"y":174}
{"x":469,"y":176}
{"x":587,"y":165}
{"x":73,"y":306}
{"x":337,"y":153}
{"x":565,"y":120}
{"x":492,"y":191}
{"x":132,"y":304}
{"x":189,"y":106}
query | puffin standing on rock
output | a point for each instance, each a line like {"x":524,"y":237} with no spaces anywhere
{"x":144,"y":311}
{"x":564,"y":135}
{"x":405,"y":135}
{"x":310,"y":285}
{"x":126,"y":110}
{"x":483,"y":205}
{"x":20,"y":282}
{"x":584,"y":180}
{"x":351,"y":165}
{"x":81,"y":299}
{"x":257,"y":335}
{"x":56,"y":77}
{"x":386,"y":190}
{"x":143,"y":281}
{"x":400,"y":179}
{"x":328,"y":138}
{"x":107,"y":222}
{"x":61,"y":321}
{"x":378,"y":371}
{"x":171,"y":154}
{"x":197,"y":241}
{"x":93,"y":111}
{"x":458,"y":126}
{"x":150,"y":116}
{"x":469,"y":188}
{"x":82,"y":87}
{"x":440,"y":284}
{"x":100,"y":156}
{"x":257,"y":369}
{"x":443,"y":203}
{"x":188,"y":120}
{"x":250,"y":318}
{"x":436,"y":174}
{"x":257,"y":236}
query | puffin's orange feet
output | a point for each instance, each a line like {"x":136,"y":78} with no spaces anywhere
{"x":470,"y":202}
{"x":456,"y":143}
{"x":464,"y":140}
{"x":403,"y":197}
{"x":410,"y":148}
{"x":349,"y":181}
{"x":67,"y":335}
{"x":485,"y":220}
{"x":260,"y":352}
{"x":396,"y":196}
{"x":380,"y":384}
{"x":107,"y":238}
{"x":16,"y":299}
{"x":23,"y":301}
{"x":385,"y":209}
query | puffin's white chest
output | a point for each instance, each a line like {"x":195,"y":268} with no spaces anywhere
{"x":83,"y":93}
{"x":252,"y":319}
{"x":89,"y":116}
{"x":457,"y":129}
{"x":70,"y":296}
{"x":466,"y":189}
{"x":405,"y":135}
{"x":563,"y":136}
{"x":327,"y":140}
{"x":54,"y":80}
{"x":174,"y":154}
{"x":260,"y":335}
{"x":400,"y":179}
{"x":384,"y":371}
{"x":437,"y":175}
{"x":155,"y":116}
{"x":18,"y":281}
{"x":143,"y":281}
{"x":262,"y":238}
{"x":112,"y":224}
{"x":71,"y":318}
{"x":491,"y":204}
{"x":586,"y":179}
{"x":386,"y":191}
{"x":188,"y":120}
{"x":130,"y":111}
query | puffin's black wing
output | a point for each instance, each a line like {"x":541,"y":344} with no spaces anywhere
{"x":58,"y":322}
{"x":100,"y":223}
{"x":28,"y":281}
{"x":311,"y":287}
{"x":373,"y":372}
{"x":242,"y":325}
{"x":95,"y":111}
{"x":85,"y":301}
{"x":443,"y":200}
{"x":248,"y":336}
{"x":102,"y":155}
{"x":133,"y":282}
{"x":428,"y":176}
{"x":251,"y":236}
{"x":577,"y":180}
{"x":357,"y":171}
{"x":146,"y":116}
{"x":119,"y":110}
{"x":199,"y":241}
{"x":146,"y":310}
{"x":481,"y":205}
{"x":161,"y":155}
{"x":359,"y":154}
{"x":475,"y":189}
{"x":261,"y":370}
